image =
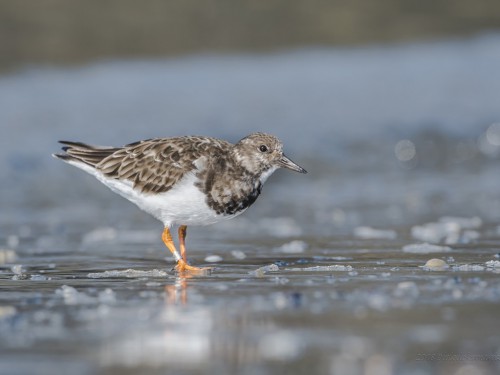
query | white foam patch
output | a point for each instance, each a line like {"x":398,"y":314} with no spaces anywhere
{"x":130,"y":273}
{"x":99,"y":235}
{"x":449,"y":229}
{"x":280,"y":226}
{"x":293,"y":247}
{"x":17,"y":269}
{"x":238,"y":254}
{"x":261,"y":271}
{"x":213,"y":258}
{"x":280,"y":346}
{"x":372,"y":233}
{"x":468,"y":267}
{"x":331,"y":267}
{"x":71,"y":296}
{"x":39,"y":278}
{"x":107,"y":296}
{"x":182,"y":340}
{"x":493,"y":264}
{"x":425,"y":248}
{"x":406,"y":289}
{"x":464,"y":222}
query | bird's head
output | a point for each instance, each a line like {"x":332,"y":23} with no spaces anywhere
{"x":261,"y":154}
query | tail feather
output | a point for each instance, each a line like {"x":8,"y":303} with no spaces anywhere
{"x":77,"y":152}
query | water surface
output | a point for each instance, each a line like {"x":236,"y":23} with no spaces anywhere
{"x":324,"y":274}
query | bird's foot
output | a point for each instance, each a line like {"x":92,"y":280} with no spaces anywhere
{"x":182,"y":266}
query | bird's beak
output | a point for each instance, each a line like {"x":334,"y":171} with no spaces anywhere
{"x":284,"y":162}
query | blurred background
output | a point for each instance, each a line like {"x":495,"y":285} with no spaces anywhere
{"x":328,"y":77}
{"x":393,"y":106}
{"x":56,"y":32}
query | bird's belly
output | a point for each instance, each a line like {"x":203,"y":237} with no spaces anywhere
{"x":183,"y":204}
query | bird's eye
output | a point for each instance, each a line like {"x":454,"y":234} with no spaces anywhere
{"x":263,"y":148}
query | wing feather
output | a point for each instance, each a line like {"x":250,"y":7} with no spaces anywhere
{"x":155,"y":165}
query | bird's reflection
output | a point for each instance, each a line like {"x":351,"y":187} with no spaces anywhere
{"x":177,"y":293}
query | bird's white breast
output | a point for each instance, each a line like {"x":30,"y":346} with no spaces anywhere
{"x":184,"y":204}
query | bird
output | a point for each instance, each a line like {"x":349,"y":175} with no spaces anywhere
{"x":186,"y":180}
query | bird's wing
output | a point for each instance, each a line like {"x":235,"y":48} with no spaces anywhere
{"x":155,"y":165}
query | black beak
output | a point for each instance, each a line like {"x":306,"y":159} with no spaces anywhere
{"x":284,"y":162}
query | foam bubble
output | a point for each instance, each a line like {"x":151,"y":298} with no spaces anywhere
{"x":425,"y":248}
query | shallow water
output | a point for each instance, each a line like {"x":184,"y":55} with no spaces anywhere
{"x":326,"y":273}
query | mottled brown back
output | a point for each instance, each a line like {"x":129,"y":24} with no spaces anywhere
{"x":153,"y":165}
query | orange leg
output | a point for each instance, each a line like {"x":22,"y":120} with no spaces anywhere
{"x":181,"y":263}
{"x":182,"y":241}
{"x":169,"y":243}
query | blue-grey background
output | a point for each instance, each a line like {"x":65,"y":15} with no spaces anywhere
{"x":395,"y":112}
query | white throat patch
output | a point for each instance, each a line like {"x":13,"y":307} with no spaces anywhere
{"x":264,"y":176}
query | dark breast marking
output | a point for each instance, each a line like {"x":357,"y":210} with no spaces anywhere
{"x":236,"y":203}
{"x":227,"y":192}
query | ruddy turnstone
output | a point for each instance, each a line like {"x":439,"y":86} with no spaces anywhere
{"x":184,"y":181}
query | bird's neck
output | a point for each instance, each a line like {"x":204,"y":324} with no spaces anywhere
{"x":265,"y":175}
